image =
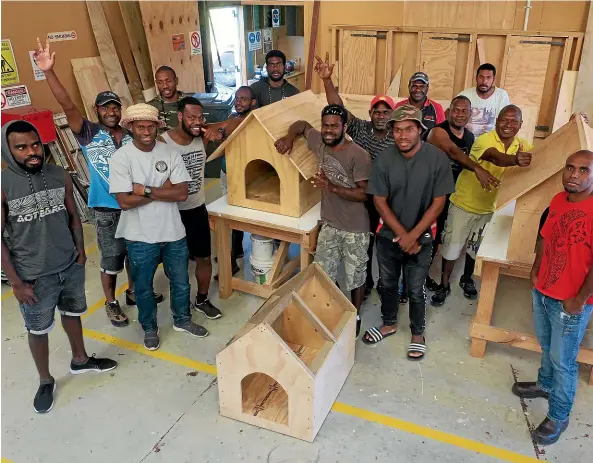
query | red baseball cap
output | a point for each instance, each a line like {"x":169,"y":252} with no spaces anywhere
{"x":383,"y":99}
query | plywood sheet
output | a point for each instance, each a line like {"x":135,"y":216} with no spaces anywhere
{"x":358,"y":56}
{"x":530,"y":116}
{"x":437,"y":59}
{"x":548,"y":158}
{"x":161,"y":21}
{"x":565,"y":98}
{"x":404,"y":49}
{"x":132,"y":18}
{"x":91,"y":79}
{"x":108,"y":53}
{"x":526,"y":70}
{"x":494,"y":51}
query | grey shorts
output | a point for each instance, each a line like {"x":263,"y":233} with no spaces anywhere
{"x":112,"y":249}
{"x":63,"y":290}
{"x":335,"y":246}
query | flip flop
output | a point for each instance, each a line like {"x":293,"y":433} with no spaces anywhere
{"x":419,"y":348}
{"x":375,"y":336}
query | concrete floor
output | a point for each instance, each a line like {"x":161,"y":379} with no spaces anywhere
{"x":162,"y":406}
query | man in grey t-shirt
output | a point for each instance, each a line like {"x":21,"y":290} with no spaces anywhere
{"x":410,"y":182}
{"x":344,"y":169}
{"x":148,"y":179}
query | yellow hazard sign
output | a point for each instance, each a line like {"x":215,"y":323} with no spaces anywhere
{"x":10,"y":73}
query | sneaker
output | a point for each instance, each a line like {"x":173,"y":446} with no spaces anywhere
{"x":151,"y":339}
{"x":131,"y":298}
{"x":469,"y":288}
{"x":207,"y":309}
{"x":431,"y":285}
{"x":235,"y":271}
{"x":115,"y":315}
{"x":192,"y":328}
{"x":93,"y":364}
{"x":44,"y":399}
{"x":439,"y":296}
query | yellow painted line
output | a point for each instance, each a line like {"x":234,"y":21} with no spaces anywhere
{"x":361,"y":413}
{"x":88,"y":250}
{"x":5,"y":460}
{"x":158,"y":354}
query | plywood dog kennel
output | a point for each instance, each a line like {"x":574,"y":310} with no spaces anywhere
{"x":286,"y":366}
{"x":258,"y":177}
{"x":535,"y":186}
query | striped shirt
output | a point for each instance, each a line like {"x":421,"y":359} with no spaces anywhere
{"x":362,"y":134}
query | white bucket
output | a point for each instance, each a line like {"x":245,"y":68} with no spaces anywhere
{"x":260,"y":269}
{"x":262,"y":248}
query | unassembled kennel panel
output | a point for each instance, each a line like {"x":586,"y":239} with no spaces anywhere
{"x":284,"y":369}
{"x":260,"y":178}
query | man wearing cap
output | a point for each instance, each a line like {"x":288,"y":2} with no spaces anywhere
{"x":343,"y":175}
{"x":373,"y":136}
{"x":472,"y":206}
{"x":166,"y":81}
{"x":487,"y":100}
{"x":148,"y":179}
{"x":410,"y":183}
{"x":98,"y":142}
{"x":432,"y":112}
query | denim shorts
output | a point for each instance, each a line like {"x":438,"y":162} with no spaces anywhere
{"x":63,"y":290}
{"x":112,"y":249}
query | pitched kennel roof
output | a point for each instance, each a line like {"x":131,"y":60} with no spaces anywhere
{"x":276,"y":119}
{"x":548,"y":158}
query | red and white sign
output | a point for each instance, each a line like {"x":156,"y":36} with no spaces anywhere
{"x":61,"y":36}
{"x":15,"y":97}
{"x":196,"y":43}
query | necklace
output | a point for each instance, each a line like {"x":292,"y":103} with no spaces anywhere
{"x":270,"y":93}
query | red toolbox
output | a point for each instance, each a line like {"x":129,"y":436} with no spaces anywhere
{"x":42,"y":119}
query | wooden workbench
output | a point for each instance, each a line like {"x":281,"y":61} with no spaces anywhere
{"x":491,"y":262}
{"x":302,"y":231}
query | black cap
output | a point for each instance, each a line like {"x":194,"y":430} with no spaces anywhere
{"x":421,"y":76}
{"x":106,"y":97}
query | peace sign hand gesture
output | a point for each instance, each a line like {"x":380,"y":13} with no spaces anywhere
{"x":323,"y":68}
{"x":44,"y":58}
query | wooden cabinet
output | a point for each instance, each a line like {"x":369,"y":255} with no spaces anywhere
{"x":297,"y":79}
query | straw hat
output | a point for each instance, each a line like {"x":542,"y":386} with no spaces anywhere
{"x":141,"y":112}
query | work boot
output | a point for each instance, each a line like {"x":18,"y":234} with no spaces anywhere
{"x":115,"y":315}
{"x":469,"y":288}
{"x":440,"y":295}
{"x":529,"y":390}
{"x":549,"y":431}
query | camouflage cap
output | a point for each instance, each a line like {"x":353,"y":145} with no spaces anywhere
{"x":407,"y":113}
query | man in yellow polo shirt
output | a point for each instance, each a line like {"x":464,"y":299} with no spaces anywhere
{"x":472,"y":206}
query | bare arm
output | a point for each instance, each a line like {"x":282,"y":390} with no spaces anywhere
{"x":22,"y":291}
{"x":388,"y":216}
{"x":325,"y":71}
{"x":358,"y":194}
{"x":539,"y":253}
{"x":499,"y":159}
{"x":46,"y":60}
{"x":74,"y":223}
{"x":429,"y":217}
{"x":129,"y":200}
{"x":284,"y":145}
{"x":169,"y":193}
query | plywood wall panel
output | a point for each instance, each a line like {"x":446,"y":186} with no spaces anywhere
{"x":437,"y":59}
{"x":132,"y":19}
{"x":358,"y":58}
{"x":494,"y":47}
{"x":161,"y":21}
{"x":551,"y":86}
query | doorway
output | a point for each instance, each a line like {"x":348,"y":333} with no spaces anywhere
{"x":225,"y":46}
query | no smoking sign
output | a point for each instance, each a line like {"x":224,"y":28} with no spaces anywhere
{"x":196,"y":43}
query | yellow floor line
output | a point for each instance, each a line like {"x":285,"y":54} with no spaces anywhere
{"x":367,"y":415}
{"x":5,"y":460}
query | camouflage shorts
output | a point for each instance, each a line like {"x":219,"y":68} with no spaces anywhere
{"x":335,"y":246}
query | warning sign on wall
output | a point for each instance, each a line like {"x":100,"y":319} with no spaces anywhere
{"x":196,"y":43}
{"x":39,"y":75}
{"x":15,"y":97}
{"x":178,"y":42}
{"x":10,"y":73}
{"x":61,"y":36}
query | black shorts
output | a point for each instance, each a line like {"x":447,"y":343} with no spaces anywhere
{"x":197,"y":230}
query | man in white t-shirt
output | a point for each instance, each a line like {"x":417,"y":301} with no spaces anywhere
{"x":148,"y":179}
{"x":486,"y":99}
{"x":186,"y":139}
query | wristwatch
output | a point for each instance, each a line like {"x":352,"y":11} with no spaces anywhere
{"x":147,"y":191}
{"x":222,"y":131}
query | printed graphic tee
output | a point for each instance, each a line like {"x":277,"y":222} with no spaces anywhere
{"x":194,"y":157}
{"x":485,"y":112}
{"x":343,"y":168}
{"x":568,"y":248}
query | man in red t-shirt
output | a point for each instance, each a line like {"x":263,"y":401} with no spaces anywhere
{"x":562,"y":279}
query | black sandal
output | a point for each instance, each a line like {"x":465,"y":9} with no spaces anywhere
{"x":375,"y":336}
{"x":417,"y":348}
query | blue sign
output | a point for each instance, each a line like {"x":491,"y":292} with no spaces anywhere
{"x":254,"y":40}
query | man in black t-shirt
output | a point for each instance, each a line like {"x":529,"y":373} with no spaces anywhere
{"x":410,"y":183}
{"x":456,"y":141}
